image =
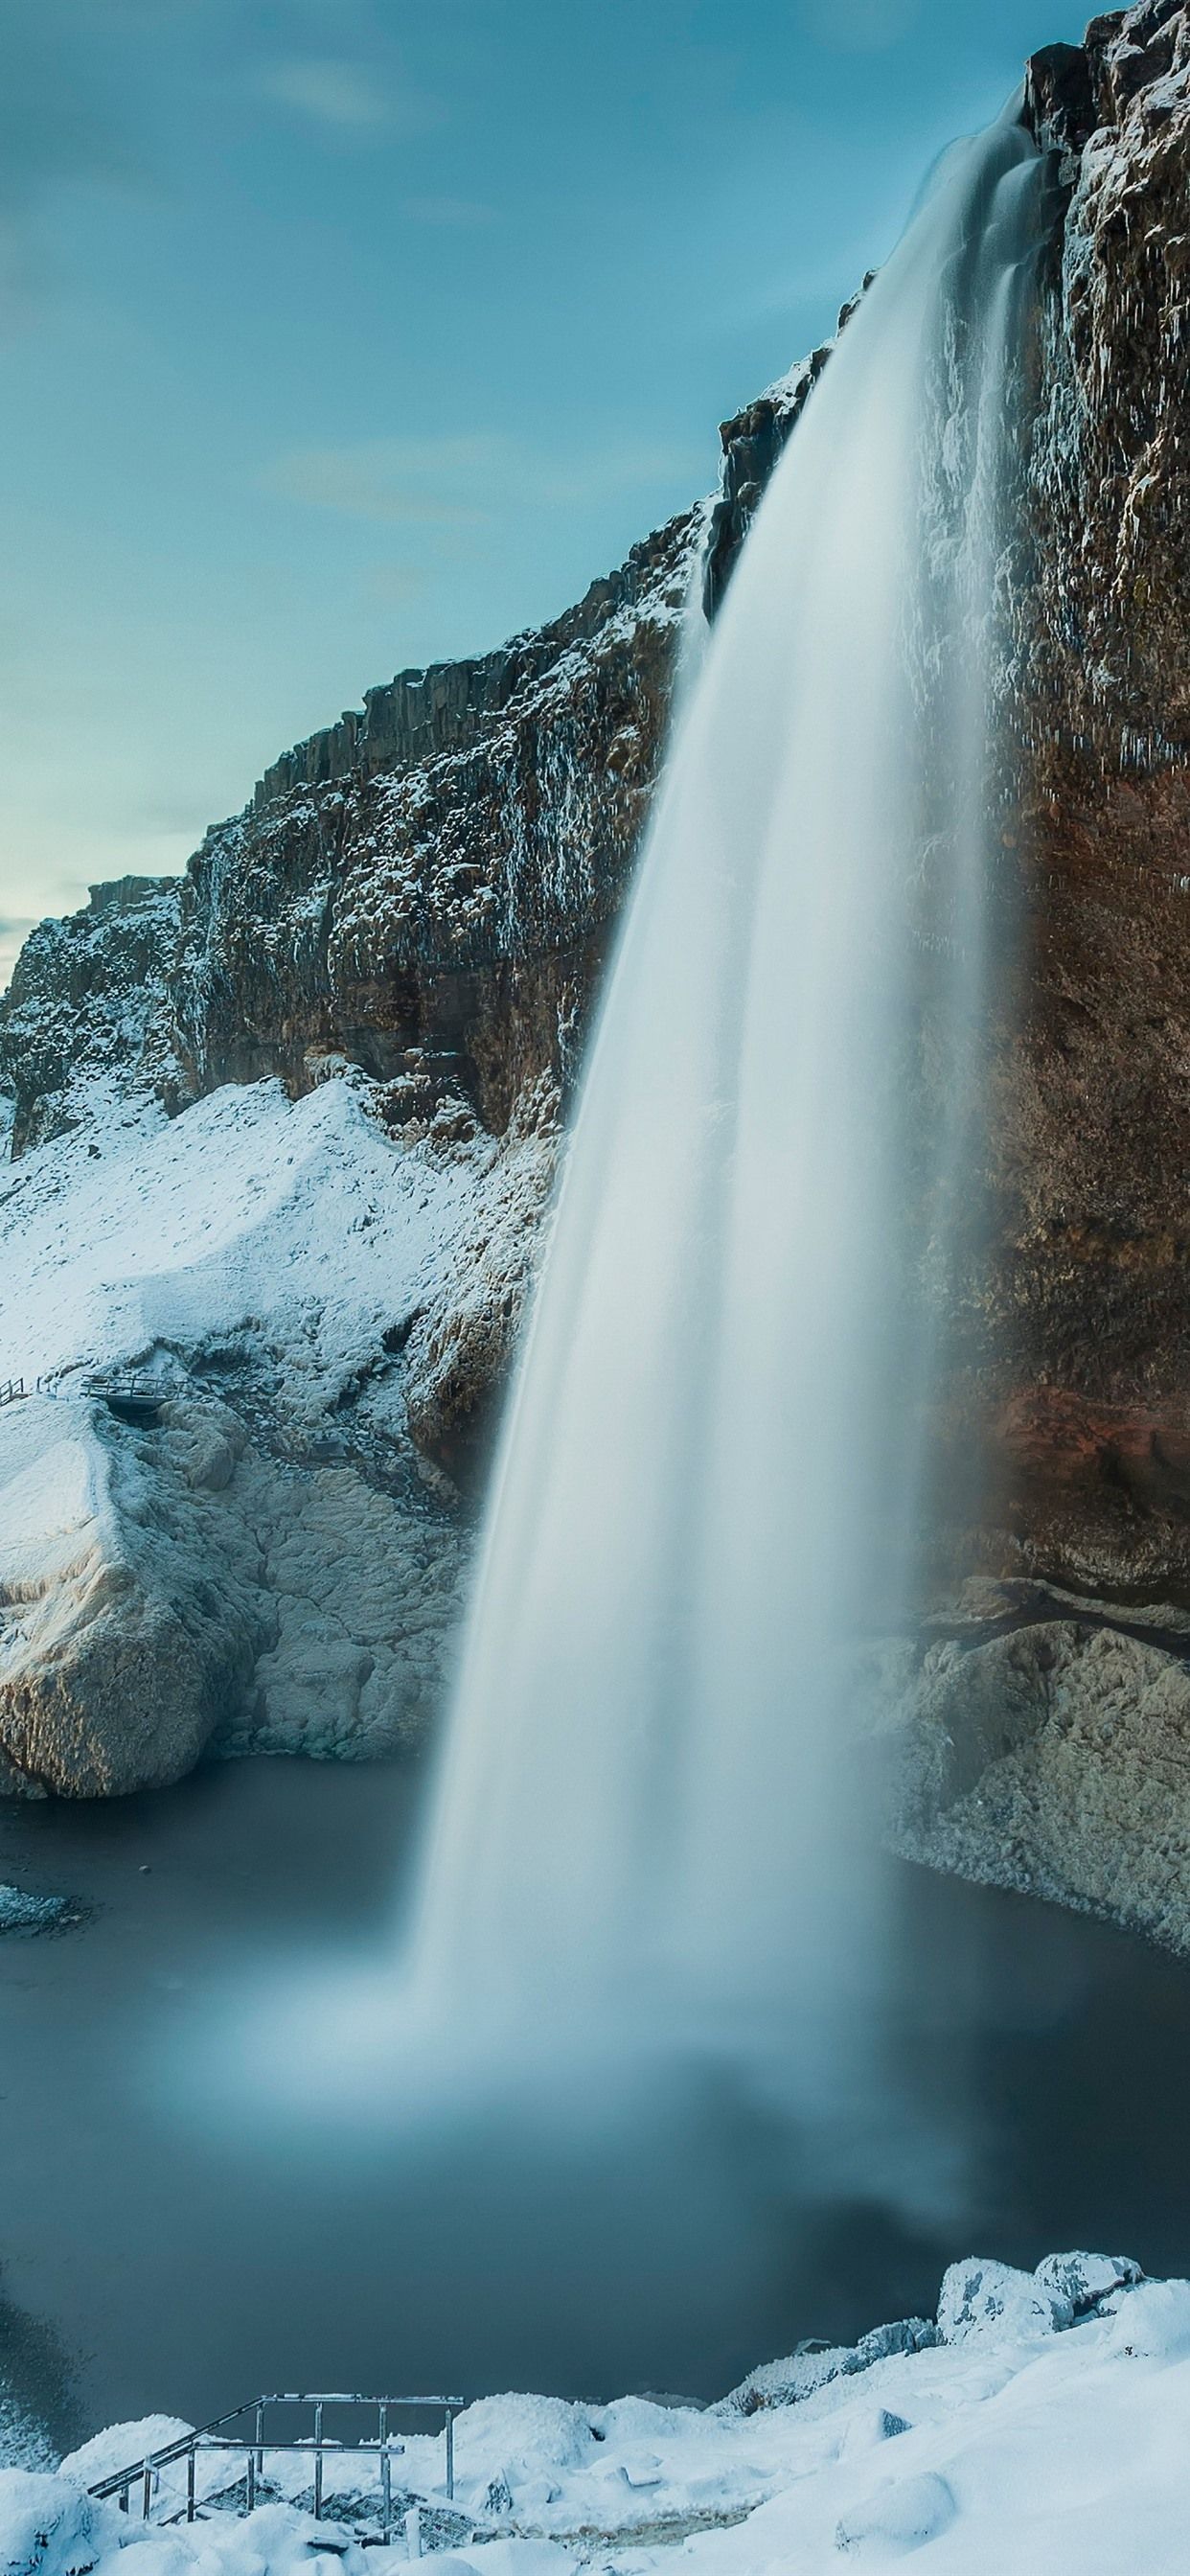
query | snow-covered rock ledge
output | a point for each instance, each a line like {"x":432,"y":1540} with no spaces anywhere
{"x":1039,"y":2425}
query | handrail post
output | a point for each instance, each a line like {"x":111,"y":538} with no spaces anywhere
{"x":386,"y":2480}
{"x":318,"y":2460}
{"x":450,"y":2455}
{"x":190,"y":2484}
{"x":260,"y":2441}
{"x":147,"y":2491}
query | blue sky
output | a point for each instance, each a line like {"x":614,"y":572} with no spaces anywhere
{"x":343,"y":335}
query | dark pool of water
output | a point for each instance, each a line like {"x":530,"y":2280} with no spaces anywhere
{"x":154,"y":2258}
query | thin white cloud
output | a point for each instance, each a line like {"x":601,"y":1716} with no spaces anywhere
{"x":391,"y":479}
{"x":335,"y":93}
{"x":630,"y":465}
{"x":462,"y":214}
{"x":463,"y":482}
{"x":859,"y":26}
{"x":61,"y":121}
{"x":386,"y":585}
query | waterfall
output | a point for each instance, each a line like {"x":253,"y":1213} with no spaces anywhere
{"x":712,"y":1476}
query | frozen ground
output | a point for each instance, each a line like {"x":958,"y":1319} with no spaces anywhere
{"x":250,"y":1229}
{"x":1037,"y":2430}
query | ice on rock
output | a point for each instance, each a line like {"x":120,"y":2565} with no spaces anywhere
{"x":1085,"y":2279}
{"x":21,"y":1912}
{"x":995,"y":2301}
{"x":814,"y":2366}
{"x":868,"y":2425}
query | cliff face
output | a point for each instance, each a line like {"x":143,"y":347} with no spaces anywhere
{"x":1045,"y":1714}
{"x":1081,"y":1353}
{"x":91,"y":1006}
{"x":424,"y":893}
{"x":440,"y":874}
{"x":425,"y":889}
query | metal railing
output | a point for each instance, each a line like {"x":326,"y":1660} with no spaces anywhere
{"x":249,"y":2445}
{"x":13,"y":1388}
{"x":123,"y":1386}
{"x":126,"y":1385}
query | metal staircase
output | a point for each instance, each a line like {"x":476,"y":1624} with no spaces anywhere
{"x":235,"y":2462}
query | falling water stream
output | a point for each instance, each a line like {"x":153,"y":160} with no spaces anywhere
{"x":711,"y":1479}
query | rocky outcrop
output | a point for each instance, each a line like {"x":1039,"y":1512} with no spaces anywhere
{"x":167,"y":1592}
{"x":126,"y":1611}
{"x":258,"y":1559}
{"x":426,"y":890}
{"x":1049,"y":1751}
{"x":445,"y":881}
{"x":751,"y":443}
{"x":91,"y":1004}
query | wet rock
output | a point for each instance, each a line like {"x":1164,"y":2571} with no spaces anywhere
{"x":23,"y":1913}
{"x":1060,"y":100}
{"x":1052,"y":1759}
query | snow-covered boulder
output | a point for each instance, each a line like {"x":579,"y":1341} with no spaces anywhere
{"x":119,"y":2445}
{"x":50,"y":2526}
{"x":516,"y":2451}
{"x":995,"y":2301}
{"x":1152,"y":2323}
{"x":1083,"y":2280}
{"x":897,"y":2517}
{"x":867,"y":2427}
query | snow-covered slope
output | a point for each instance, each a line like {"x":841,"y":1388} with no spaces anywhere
{"x":1038,"y":2430}
{"x":272,"y":1561}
